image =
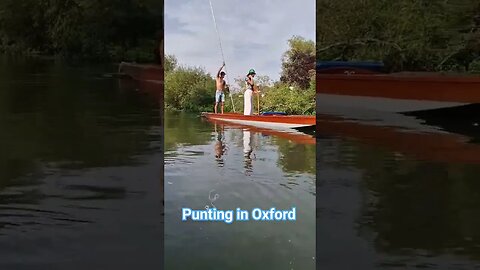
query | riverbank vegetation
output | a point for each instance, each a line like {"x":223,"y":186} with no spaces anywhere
{"x":407,"y":35}
{"x":106,"y":30}
{"x":193,"y":89}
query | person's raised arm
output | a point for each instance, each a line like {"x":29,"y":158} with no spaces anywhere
{"x":220,"y":70}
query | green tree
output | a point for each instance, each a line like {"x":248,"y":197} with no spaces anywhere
{"x":262,"y":81}
{"x":406,"y":35}
{"x":192,"y":89}
{"x":171,"y":63}
{"x":298,"y":61}
{"x":189,"y":88}
{"x":108,"y":29}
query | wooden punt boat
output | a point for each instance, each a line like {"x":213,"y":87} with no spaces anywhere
{"x":294,"y":136}
{"x":364,"y":86}
{"x":428,"y":116}
{"x":147,"y":79}
{"x":142,"y":72}
{"x":144,"y":78}
{"x":274,"y":121}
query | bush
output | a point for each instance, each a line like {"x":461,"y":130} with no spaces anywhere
{"x":280,"y":98}
{"x":406,"y":35}
{"x":475,"y":67}
{"x":190,"y":89}
{"x":88,"y":29}
{"x":291,"y":100}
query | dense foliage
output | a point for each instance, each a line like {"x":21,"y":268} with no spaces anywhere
{"x":298,"y":62}
{"x":107,"y":29}
{"x":279,"y":97}
{"x":187,"y":88}
{"x":192,"y":89}
{"x":414,"y":35}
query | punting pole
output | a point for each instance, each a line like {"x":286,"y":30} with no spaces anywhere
{"x":221,"y":49}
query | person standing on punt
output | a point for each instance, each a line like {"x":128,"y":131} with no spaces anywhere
{"x":220,"y":93}
{"x":247,"y":102}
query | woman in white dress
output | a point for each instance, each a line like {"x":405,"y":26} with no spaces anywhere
{"x":247,"y":100}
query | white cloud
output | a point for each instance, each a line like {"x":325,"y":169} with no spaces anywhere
{"x":254,"y":34}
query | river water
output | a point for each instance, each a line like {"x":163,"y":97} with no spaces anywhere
{"x":215,"y":165}
{"x":80,"y":168}
{"x":390,"y":198}
{"x":80,"y":184}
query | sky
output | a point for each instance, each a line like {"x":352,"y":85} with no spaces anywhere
{"x":253,"y":33}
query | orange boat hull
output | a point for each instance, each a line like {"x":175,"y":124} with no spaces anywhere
{"x":142,"y":72}
{"x":297,"y":137}
{"x":266,"y":121}
{"x":409,"y":86}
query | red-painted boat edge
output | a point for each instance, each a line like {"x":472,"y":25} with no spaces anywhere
{"x":287,"y":119}
{"x":142,"y":72}
{"x":410,"y":86}
{"x":295,"y":137}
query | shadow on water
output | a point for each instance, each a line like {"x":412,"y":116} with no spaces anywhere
{"x":385,"y":206}
{"x":307,"y":130}
{"x":78,"y":149}
{"x":463,"y":120}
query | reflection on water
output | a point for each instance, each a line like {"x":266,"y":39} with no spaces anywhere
{"x":247,"y":151}
{"x":253,"y":173}
{"x":79,"y":168}
{"x":220,"y":147}
{"x":394,"y":200}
